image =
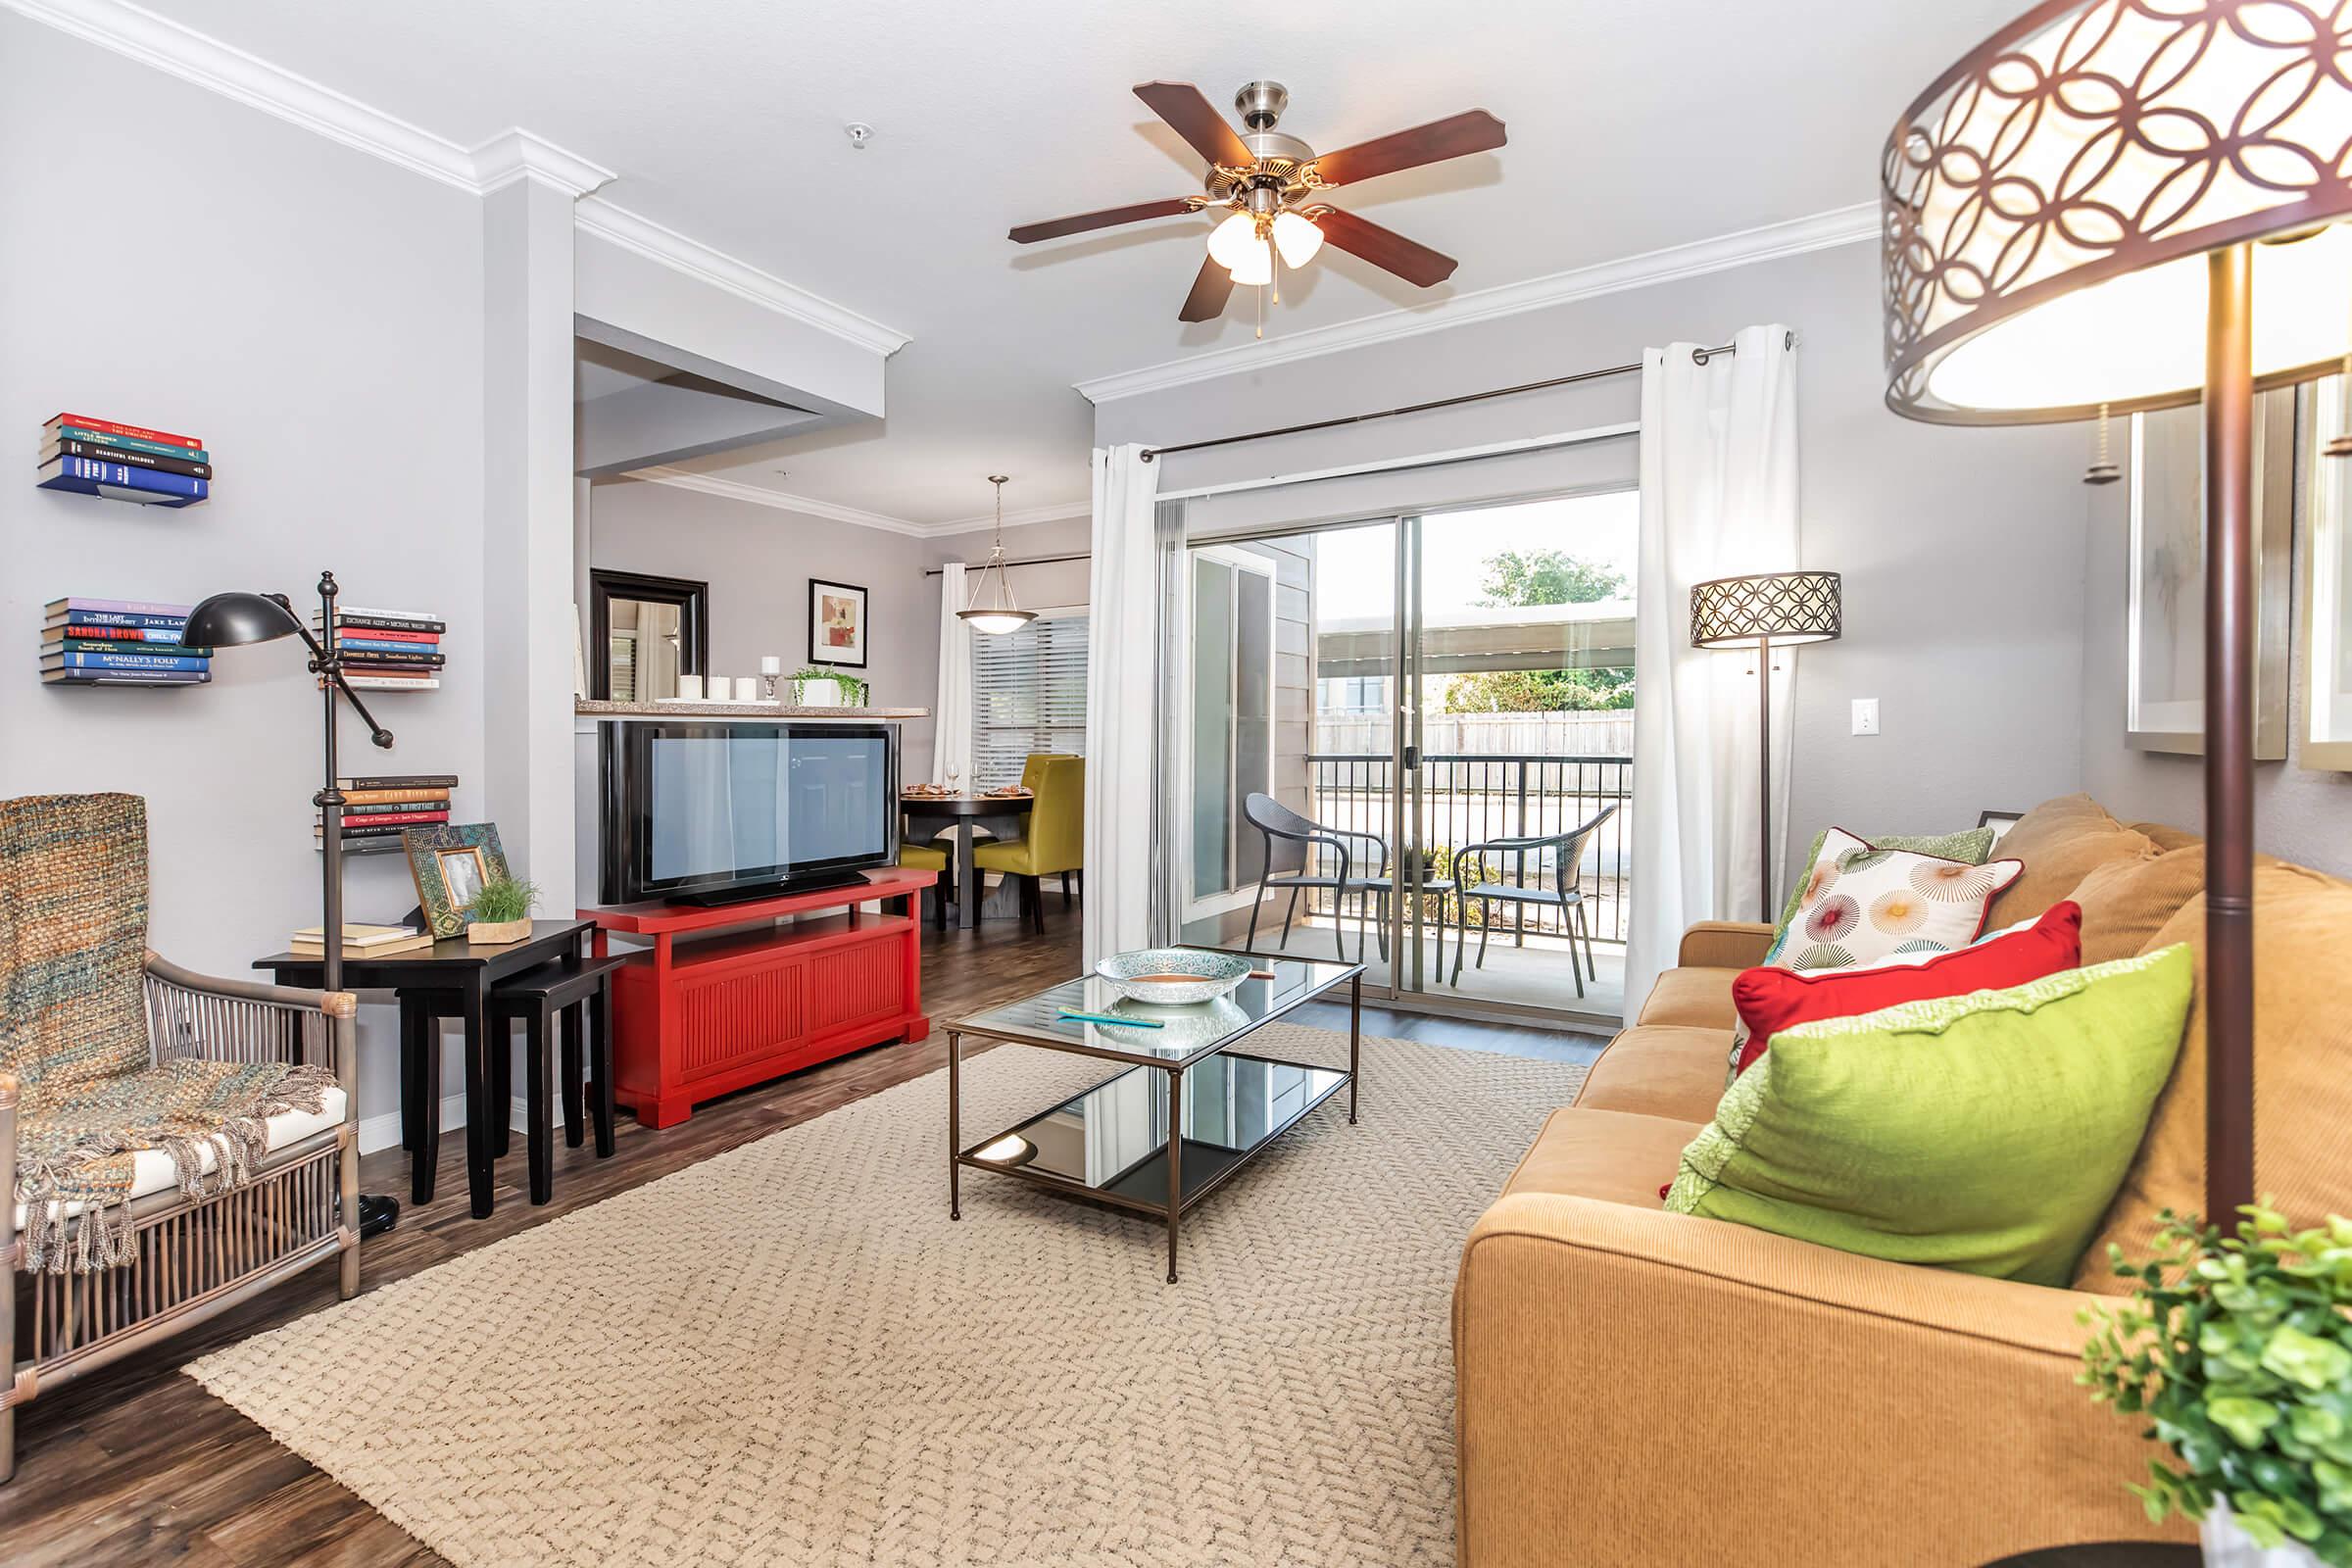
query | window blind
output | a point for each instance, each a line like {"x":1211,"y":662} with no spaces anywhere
{"x":1028,"y":695}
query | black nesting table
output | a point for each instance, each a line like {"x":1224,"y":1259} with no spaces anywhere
{"x":453,"y":965}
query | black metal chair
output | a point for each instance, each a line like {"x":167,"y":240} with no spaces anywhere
{"x":1562,"y":894}
{"x":1300,"y":838}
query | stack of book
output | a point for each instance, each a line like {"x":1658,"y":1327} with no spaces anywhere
{"x":378,"y":808}
{"x":388,"y":650}
{"x":119,"y":642}
{"x":95,"y":457}
{"x":362,"y":940}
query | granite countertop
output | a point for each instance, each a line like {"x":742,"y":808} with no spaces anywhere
{"x":585,"y":709}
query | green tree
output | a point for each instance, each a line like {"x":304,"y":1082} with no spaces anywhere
{"x":1536,"y":577}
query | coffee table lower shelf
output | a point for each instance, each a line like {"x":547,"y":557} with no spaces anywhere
{"x":1110,"y":1145}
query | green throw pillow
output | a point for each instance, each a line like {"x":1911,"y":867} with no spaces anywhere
{"x":1986,"y":1133}
{"x":1971,"y":847}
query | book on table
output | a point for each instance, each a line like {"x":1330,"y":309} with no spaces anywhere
{"x":356,"y":936}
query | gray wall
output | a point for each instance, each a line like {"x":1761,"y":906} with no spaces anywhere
{"x":2301,"y":814}
{"x":316,"y":316}
{"x":757,"y":561}
{"x":1962,"y":549}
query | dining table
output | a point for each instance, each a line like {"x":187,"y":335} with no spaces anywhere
{"x":999,"y":816}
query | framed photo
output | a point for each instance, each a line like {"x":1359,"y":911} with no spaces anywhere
{"x":2328,"y":592}
{"x":451,"y":865}
{"x":2164,"y":687}
{"x":836,"y":624}
{"x":1999,"y":821}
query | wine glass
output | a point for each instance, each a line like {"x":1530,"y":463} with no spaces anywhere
{"x":953,"y":773}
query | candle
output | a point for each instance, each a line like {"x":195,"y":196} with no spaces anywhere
{"x":770,"y":665}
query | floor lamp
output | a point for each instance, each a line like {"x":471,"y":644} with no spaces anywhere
{"x":232,"y":620}
{"x":1760,"y":614}
{"x":2102,"y":210}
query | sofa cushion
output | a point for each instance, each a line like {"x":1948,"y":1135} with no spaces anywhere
{"x":1986,"y":1133}
{"x":1614,"y":1155}
{"x":153,"y":1170}
{"x":2167,"y":837}
{"x":1862,"y":901}
{"x":2127,"y":901}
{"x":2061,"y":842}
{"x":1694,"y":997}
{"x":2302,"y":1042}
{"x":1971,"y":844}
{"x":1659,"y":1070}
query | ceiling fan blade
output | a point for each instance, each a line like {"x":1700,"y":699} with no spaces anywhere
{"x":1031,"y":233}
{"x":1211,"y":288}
{"x":1384,"y":248}
{"x":1197,"y":121}
{"x":1474,"y":131}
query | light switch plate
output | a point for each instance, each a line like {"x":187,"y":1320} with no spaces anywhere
{"x":1866,"y":715}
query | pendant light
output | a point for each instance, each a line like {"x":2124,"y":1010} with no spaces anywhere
{"x":1004,"y":615}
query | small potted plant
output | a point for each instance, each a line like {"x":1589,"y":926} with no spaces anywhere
{"x":500,"y":912}
{"x":813,"y":687}
{"x":2238,"y":1351}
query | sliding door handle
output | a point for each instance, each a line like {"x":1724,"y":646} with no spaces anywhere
{"x":1412,"y":757}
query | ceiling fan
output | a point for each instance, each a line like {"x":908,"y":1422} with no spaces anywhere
{"x":1270,"y":184}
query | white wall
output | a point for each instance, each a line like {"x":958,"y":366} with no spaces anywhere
{"x":316,"y":316}
{"x":1962,"y":549}
{"x":757,"y":561}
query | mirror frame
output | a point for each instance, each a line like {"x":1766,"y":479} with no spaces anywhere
{"x":692,"y":602}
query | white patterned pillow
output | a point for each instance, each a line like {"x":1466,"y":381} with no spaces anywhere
{"x":1861,"y":905}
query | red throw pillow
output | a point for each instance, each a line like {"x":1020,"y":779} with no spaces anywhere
{"x":1773,"y":999}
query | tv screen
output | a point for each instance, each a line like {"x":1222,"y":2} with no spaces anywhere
{"x":696,"y":809}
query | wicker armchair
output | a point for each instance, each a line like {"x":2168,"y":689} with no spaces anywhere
{"x":194,"y":1258}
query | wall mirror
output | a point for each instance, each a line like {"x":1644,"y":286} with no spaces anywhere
{"x":646,"y":632}
{"x":2164,"y":609}
{"x":2328,"y":590}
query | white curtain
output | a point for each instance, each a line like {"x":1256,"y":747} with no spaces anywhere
{"x":1719,"y":499}
{"x":951,"y":724}
{"x":1123,"y":703}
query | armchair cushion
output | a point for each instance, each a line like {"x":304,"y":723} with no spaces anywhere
{"x":154,"y":1170}
{"x":1984,"y":1133}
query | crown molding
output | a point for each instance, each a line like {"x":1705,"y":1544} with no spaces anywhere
{"x":249,"y":79}
{"x":650,"y":239}
{"x":712,"y":484}
{"x":1844,"y":225}
{"x":515,"y":154}
{"x":1027,"y":515}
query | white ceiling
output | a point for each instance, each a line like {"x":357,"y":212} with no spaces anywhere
{"x":1634,"y":124}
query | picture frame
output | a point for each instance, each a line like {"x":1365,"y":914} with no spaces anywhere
{"x":451,"y":865}
{"x":836,"y":623}
{"x":2327,"y":607}
{"x":2000,"y":822}
{"x":2164,"y":623}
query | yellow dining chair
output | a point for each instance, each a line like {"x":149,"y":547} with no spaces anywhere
{"x":1056,"y":837}
{"x":933,"y":856}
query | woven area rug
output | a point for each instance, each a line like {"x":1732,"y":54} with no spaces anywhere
{"x":788,"y":1354}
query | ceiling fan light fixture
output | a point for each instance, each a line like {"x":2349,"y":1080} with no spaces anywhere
{"x":1231,"y":242}
{"x":1297,"y":238}
{"x":1254,"y":266}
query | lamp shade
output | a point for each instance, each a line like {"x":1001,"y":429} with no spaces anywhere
{"x":230,"y":620}
{"x":1784,"y":607}
{"x":2048,"y":200}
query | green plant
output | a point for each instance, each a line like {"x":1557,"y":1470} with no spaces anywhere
{"x":851,"y":686}
{"x":502,"y":900}
{"x":2239,"y":1352}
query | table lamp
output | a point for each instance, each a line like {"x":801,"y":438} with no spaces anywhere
{"x":2109,"y":207}
{"x":1760,"y":613}
{"x":234,"y":620}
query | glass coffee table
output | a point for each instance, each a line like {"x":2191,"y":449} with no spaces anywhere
{"x":1112,"y":1144}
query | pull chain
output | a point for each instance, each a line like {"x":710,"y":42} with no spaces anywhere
{"x":2102,"y":469}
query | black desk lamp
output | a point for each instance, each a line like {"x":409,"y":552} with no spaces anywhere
{"x":234,"y":619}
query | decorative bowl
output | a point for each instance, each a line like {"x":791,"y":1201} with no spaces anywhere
{"x":1173,"y":975}
{"x":1183,"y":1026}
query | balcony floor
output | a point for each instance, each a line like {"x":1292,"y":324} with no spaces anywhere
{"x":1535,"y":975}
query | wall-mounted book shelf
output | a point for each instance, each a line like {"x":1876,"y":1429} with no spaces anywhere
{"x":377,"y":806}
{"x":119,"y":642}
{"x":92,"y":457}
{"x":388,"y":650}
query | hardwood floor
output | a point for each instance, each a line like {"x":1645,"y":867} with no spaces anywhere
{"x":137,"y":1464}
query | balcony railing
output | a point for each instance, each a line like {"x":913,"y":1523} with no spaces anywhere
{"x":1469,"y":797}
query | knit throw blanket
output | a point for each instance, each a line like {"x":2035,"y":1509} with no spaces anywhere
{"x":74,"y":1029}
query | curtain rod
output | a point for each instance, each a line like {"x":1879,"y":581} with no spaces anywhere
{"x":1700,"y":355}
{"x":1026,"y":560}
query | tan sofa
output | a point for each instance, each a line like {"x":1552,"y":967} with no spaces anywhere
{"x":1640,"y":1387}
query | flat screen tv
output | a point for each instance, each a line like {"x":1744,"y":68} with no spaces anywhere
{"x":720,"y":813}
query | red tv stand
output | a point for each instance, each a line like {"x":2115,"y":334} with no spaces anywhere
{"x":754,"y":998}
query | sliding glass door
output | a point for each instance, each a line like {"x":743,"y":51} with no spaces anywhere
{"x":1411,"y":738}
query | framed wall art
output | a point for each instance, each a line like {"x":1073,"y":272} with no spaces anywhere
{"x":2164,"y":686}
{"x":451,"y":865}
{"x":837,"y":616}
{"x":2327,"y":589}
